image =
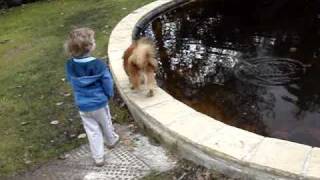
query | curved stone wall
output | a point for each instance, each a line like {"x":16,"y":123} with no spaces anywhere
{"x":198,"y":137}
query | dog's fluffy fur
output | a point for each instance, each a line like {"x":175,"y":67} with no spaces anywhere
{"x":140,"y":64}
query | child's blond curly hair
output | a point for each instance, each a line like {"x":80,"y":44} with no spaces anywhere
{"x":80,"y":42}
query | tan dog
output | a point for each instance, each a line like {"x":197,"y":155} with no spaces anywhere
{"x":140,"y":64}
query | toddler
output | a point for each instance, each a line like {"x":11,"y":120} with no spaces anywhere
{"x":92,"y":88}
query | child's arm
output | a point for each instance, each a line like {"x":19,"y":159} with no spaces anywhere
{"x":107,"y":83}
{"x":68,"y":78}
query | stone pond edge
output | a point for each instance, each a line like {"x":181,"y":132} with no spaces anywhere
{"x":199,"y":138}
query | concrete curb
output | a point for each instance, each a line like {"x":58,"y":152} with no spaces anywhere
{"x":200,"y":138}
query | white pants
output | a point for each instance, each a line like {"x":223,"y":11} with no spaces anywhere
{"x":98,"y":126}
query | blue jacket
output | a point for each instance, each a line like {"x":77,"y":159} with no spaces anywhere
{"x":91,"y":82}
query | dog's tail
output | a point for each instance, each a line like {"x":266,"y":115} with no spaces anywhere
{"x":144,"y":54}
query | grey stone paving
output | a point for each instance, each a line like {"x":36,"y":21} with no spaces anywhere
{"x":133,"y":158}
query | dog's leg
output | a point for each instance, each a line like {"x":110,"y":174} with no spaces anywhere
{"x":151,"y":81}
{"x":134,"y":74}
{"x":142,"y":78}
{"x":131,"y":82}
{"x":135,"y":80}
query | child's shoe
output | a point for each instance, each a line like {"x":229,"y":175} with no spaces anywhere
{"x":99,"y":162}
{"x":112,"y":145}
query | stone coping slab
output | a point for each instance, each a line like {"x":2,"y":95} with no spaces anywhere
{"x":198,"y":137}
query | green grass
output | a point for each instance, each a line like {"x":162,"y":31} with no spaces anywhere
{"x":31,"y":72}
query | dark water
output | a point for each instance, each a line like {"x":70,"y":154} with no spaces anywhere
{"x":251,"y":64}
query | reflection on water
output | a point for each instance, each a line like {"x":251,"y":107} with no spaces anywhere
{"x":269,"y":71}
{"x":253,"y":64}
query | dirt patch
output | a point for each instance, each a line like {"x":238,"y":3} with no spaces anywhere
{"x":187,"y":170}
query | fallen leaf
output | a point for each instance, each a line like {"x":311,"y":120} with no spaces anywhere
{"x":81,"y":136}
{"x":63,"y":156}
{"x":27,"y":162}
{"x":24,"y":123}
{"x":66,"y":94}
{"x":54,"y":122}
{"x":59,"y":103}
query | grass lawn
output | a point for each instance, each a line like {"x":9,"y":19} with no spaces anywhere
{"x":31,"y":76}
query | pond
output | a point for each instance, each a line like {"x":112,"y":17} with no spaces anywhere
{"x":250,"y":64}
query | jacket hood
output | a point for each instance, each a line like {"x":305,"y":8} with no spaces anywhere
{"x":85,"y":80}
